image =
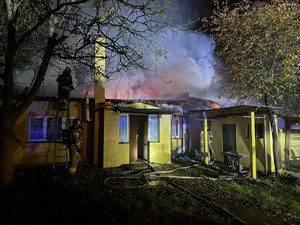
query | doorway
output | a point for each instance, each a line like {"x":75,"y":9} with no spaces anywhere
{"x":138,"y":137}
{"x":229,"y":139}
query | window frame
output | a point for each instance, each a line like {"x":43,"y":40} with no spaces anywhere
{"x":45,"y":128}
{"x":150,"y":128}
{"x":127,"y":129}
{"x":178,"y":125}
{"x":259,"y":131}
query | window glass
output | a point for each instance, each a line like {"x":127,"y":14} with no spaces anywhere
{"x":153,"y":128}
{"x":44,"y":128}
{"x":175,"y":128}
{"x":123,"y":132}
{"x":36,"y":128}
{"x":259,"y":131}
{"x":51,"y":128}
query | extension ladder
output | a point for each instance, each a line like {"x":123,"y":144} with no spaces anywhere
{"x":61,"y":152}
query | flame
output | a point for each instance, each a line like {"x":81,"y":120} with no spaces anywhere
{"x":216,"y":106}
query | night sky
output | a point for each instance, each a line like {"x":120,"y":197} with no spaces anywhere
{"x":194,"y":9}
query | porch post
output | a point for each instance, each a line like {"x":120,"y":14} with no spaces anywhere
{"x":205,"y":139}
{"x":253,"y":149}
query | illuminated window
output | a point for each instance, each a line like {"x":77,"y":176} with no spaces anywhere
{"x":43,"y":128}
{"x":175,"y":127}
{"x":124,"y":129}
{"x":153,"y":128}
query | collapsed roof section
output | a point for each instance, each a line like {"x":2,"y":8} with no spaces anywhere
{"x":162,"y":106}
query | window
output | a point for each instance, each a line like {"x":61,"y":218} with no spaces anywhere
{"x":259,"y":131}
{"x":153,"y":128}
{"x":44,"y":128}
{"x":175,"y":127}
{"x":124,"y":128}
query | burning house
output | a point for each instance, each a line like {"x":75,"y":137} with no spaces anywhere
{"x":120,"y":131}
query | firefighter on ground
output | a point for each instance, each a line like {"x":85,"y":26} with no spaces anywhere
{"x":75,"y":136}
{"x":65,"y":85}
{"x":209,"y":141}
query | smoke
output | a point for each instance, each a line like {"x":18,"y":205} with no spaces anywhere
{"x":190,"y":67}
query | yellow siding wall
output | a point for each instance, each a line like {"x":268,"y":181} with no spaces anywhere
{"x":243,"y":144}
{"x":160,"y":152}
{"x":176,"y":145}
{"x":271,"y":165}
{"x":40,"y":152}
{"x":115,"y":154}
{"x":282,"y":143}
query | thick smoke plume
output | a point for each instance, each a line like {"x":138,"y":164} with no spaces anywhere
{"x":190,"y":68}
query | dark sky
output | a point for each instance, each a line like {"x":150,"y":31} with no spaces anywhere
{"x":194,"y":9}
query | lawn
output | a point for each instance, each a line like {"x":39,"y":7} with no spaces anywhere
{"x":133,"y":194}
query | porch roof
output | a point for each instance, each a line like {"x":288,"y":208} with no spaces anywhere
{"x":230,"y":111}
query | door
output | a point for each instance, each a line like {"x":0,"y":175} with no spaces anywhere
{"x":138,"y":137}
{"x":229,"y":139}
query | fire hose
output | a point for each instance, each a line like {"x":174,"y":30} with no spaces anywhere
{"x":222,"y":210}
{"x":233,"y":218}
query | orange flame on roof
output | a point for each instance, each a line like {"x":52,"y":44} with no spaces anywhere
{"x":216,"y":106}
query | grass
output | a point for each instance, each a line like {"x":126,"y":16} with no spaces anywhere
{"x":276,"y":196}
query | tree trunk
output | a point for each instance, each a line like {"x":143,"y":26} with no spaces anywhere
{"x":8,"y":146}
{"x":10,"y":113}
{"x":275,"y":141}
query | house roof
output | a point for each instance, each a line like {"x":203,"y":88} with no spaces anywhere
{"x":141,"y":108}
{"x":229,"y":111}
{"x":144,"y":111}
{"x":183,"y":105}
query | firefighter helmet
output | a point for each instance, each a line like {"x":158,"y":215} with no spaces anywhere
{"x":77,"y":121}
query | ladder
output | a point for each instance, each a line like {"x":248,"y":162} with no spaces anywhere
{"x":61,"y":152}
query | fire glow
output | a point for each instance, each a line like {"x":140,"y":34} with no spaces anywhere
{"x":190,"y":68}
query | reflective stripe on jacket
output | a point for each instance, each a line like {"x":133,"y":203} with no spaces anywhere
{"x":75,"y":137}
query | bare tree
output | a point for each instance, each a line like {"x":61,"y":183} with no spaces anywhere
{"x":37,"y":34}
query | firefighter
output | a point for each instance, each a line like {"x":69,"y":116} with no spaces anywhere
{"x":75,"y":136}
{"x":65,"y":85}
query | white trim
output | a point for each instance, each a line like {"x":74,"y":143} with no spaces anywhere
{"x":127,"y":128}
{"x":149,"y":128}
{"x":178,"y":135}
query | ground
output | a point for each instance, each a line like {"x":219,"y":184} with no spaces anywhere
{"x":124,"y":196}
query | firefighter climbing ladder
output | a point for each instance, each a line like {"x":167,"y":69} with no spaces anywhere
{"x":61,"y":152}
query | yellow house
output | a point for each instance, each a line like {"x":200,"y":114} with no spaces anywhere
{"x":115,"y":134}
{"x":122,"y":131}
{"x":133,"y":131}
{"x":231,"y":129}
